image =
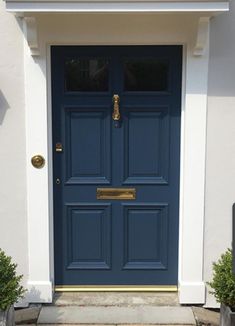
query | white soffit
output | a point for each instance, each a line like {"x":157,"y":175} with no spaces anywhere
{"x":211,"y":7}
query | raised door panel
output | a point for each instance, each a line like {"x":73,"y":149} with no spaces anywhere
{"x":145,"y":236}
{"x":88,"y":146}
{"x":88,"y":236}
{"x":146,"y":154}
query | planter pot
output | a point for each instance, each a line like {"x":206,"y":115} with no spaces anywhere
{"x":227,"y":317}
{"x":7,"y":317}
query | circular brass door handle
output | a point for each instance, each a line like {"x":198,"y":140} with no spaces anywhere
{"x":38,"y":161}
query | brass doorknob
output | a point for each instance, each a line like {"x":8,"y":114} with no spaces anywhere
{"x":38,"y":161}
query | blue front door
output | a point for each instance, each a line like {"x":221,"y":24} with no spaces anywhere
{"x":116,"y":145}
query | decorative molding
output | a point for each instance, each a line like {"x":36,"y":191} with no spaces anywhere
{"x":32,"y":35}
{"x":202,"y":36}
{"x":211,"y":7}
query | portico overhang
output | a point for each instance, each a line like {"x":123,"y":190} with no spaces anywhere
{"x":165,"y":6}
{"x":204,"y":10}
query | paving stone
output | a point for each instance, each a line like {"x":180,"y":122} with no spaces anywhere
{"x":27,"y":315}
{"x":116,"y":299}
{"x":80,"y":325}
{"x":116,"y":315}
{"x":206,"y":317}
{"x":32,"y":325}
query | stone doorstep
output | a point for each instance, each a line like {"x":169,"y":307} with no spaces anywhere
{"x":124,"y":299}
{"x":29,"y":316}
{"x":116,"y":315}
{"x":103,"y":325}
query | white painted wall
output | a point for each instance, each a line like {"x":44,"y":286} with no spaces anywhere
{"x":73,"y":29}
{"x":13,"y":223}
{"x":220,"y":165}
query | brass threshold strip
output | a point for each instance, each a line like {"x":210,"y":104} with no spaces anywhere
{"x":116,"y":288}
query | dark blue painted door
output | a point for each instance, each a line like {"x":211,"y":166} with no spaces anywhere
{"x":116,"y":242}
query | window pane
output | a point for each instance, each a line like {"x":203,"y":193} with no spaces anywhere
{"x":145,"y":74}
{"x":86,"y":75}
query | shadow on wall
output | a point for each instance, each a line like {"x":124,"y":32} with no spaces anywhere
{"x":222,"y":59}
{"x":4,"y":106}
{"x":33,"y":296}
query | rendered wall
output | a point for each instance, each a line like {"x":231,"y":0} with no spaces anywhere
{"x":13,"y":223}
{"x":220,"y":164}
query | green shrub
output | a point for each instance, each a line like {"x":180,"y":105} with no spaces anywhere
{"x":10,"y":288}
{"x":223,"y":282}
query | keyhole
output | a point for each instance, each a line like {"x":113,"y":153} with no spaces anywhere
{"x":57,"y":181}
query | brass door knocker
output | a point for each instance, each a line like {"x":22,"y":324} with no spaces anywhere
{"x":116,"y":112}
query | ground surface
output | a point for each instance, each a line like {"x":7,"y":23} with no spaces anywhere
{"x":110,"y":309}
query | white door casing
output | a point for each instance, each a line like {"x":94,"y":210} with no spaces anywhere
{"x":103,"y":29}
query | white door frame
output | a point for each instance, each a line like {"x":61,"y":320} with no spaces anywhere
{"x":192,"y":169}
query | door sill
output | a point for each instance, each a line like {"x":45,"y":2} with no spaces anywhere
{"x":116,"y":288}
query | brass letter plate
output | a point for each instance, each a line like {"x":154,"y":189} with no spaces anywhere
{"x":116,"y":193}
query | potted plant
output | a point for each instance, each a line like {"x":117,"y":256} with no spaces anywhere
{"x":10,"y":289}
{"x":223,"y":285}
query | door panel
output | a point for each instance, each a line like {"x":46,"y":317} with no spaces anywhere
{"x":116,"y":241}
{"x":145,"y":224}
{"x":88,"y":236}
{"x":138,"y":139}
{"x":88,"y":153}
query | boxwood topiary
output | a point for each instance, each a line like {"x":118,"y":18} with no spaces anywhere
{"x":10,"y":288}
{"x":223,"y":282}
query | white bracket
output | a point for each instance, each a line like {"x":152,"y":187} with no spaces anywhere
{"x":32,"y":35}
{"x":202,"y":36}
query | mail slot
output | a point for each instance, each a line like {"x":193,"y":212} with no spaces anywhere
{"x":116,"y":193}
